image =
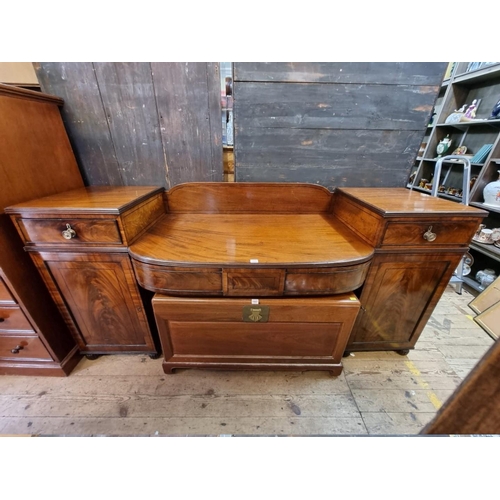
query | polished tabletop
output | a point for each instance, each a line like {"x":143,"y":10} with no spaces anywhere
{"x":245,"y":239}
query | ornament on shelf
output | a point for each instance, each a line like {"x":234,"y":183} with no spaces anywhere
{"x":491,"y":193}
{"x":443,"y":146}
{"x":457,"y":115}
{"x":470,"y":113}
{"x":495,"y":112}
{"x":471,"y":110}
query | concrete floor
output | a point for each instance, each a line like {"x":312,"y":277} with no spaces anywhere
{"x":378,"y":393}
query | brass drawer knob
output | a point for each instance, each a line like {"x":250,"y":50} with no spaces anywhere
{"x":429,"y":235}
{"x":69,"y":232}
{"x":17,"y":349}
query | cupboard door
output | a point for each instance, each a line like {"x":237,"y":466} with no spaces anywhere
{"x":101,"y":294}
{"x":398,"y":297}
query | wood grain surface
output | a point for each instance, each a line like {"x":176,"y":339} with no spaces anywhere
{"x":301,"y":334}
{"x":252,"y":197}
{"x":399,"y":73}
{"x":402,"y":201}
{"x":473,"y":407}
{"x":333,"y":124}
{"x":236,"y":239}
{"x":93,"y":199}
{"x":140,"y":123}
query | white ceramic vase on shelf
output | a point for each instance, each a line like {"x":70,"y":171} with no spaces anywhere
{"x":491,"y":193}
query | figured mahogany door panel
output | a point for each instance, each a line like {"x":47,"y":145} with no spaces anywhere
{"x":102,"y":297}
{"x":395,"y":297}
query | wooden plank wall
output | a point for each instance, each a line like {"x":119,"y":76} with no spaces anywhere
{"x":140,"y":123}
{"x":333,"y":124}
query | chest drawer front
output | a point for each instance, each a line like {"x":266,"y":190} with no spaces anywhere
{"x":218,"y":332}
{"x":178,"y":280}
{"x":22,"y":347}
{"x":13,"y":319}
{"x":103,"y":231}
{"x":446,"y":233}
{"x":256,"y":282}
{"x":325,"y":282}
{"x":5,"y":296}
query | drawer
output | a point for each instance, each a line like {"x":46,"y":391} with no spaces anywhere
{"x":24,"y":347}
{"x":325,"y":281}
{"x":97,"y":231}
{"x":178,"y":280}
{"x":447,"y":232}
{"x":12,"y":318}
{"x":253,"y":282}
{"x":5,"y":296}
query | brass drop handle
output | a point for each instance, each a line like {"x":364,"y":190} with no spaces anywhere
{"x":429,"y":235}
{"x":69,"y":232}
{"x":17,"y":349}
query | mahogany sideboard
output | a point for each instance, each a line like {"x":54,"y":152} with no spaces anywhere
{"x":250,"y":275}
{"x":36,"y":159}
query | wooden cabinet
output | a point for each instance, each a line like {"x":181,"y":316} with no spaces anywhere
{"x":102,"y":296}
{"x":79,"y":242}
{"x":398,"y":297}
{"x":419,"y":241}
{"x":299,"y":333}
{"x":36,"y":160}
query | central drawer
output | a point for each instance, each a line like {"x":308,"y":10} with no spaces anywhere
{"x":305,"y":333}
{"x":98,"y":231}
{"x":257,"y":282}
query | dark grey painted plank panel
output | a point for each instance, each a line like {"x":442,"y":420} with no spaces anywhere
{"x":185,"y":117}
{"x":129,"y":101}
{"x":411,"y":73}
{"x":214,"y":108}
{"x":84,"y":118}
{"x":332,"y":157}
{"x":375,"y":176}
{"x":332,"y":106}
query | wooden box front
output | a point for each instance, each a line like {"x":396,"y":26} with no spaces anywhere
{"x":306,"y":333}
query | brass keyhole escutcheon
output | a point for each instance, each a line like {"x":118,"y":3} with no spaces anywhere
{"x":256,"y":313}
{"x":429,"y":235}
{"x":69,"y":232}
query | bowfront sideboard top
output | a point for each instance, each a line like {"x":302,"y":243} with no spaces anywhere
{"x":395,"y":248}
{"x":250,"y":240}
